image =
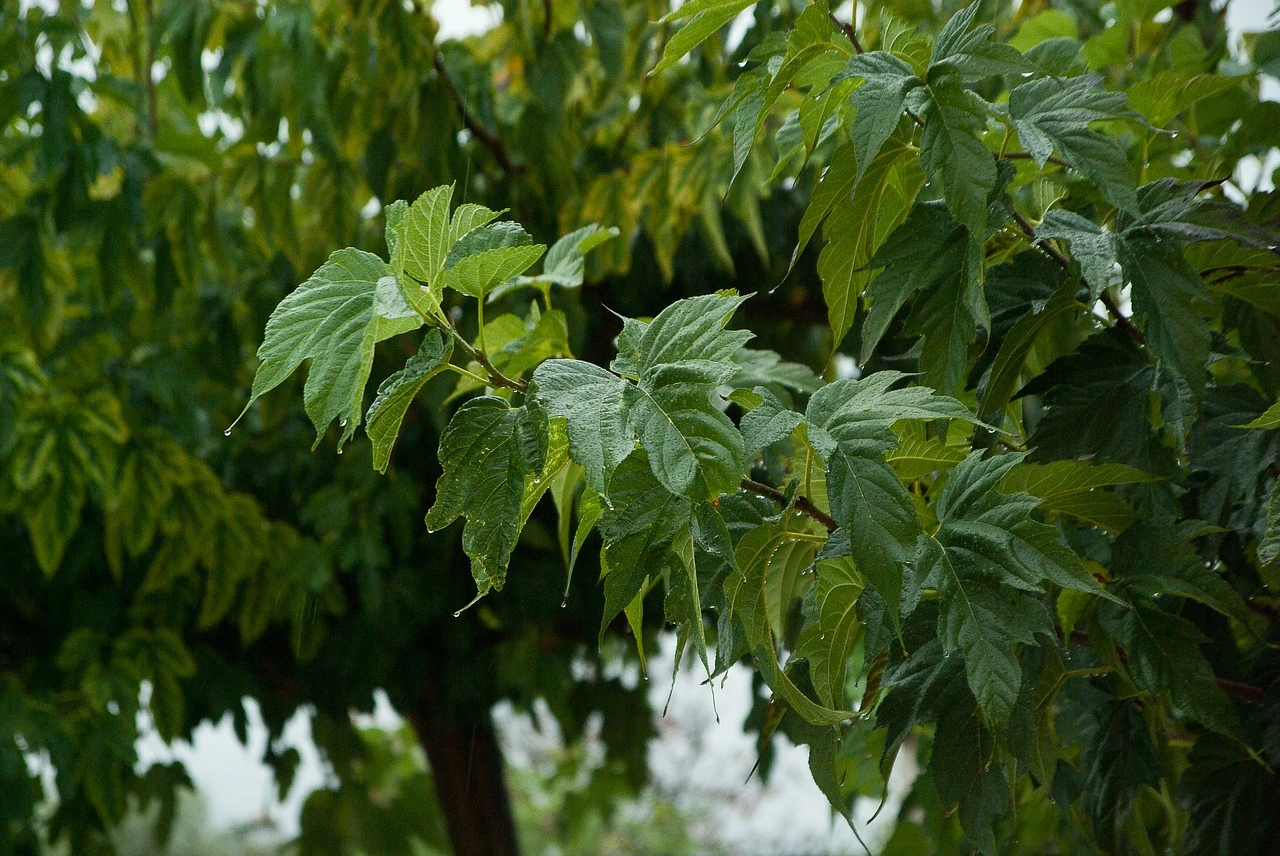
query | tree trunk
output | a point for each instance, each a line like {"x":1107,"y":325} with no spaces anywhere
{"x":467,"y":766}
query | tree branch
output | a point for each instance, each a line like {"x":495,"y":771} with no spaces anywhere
{"x":1233,"y":689}
{"x":491,"y":141}
{"x":803,"y":504}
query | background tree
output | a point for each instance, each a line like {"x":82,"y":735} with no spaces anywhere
{"x":984,"y":195}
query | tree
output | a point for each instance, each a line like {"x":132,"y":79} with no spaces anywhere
{"x":1024,"y":209}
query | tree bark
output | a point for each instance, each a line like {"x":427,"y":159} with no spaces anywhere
{"x":467,"y":766}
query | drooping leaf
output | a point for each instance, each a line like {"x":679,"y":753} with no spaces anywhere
{"x":705,"y":17}
{"x":763,"y":553}
{"x":334,"y":319}
{"x":640,"y":525}
{"x":397,"y":392}
{"x":862,"y":217}
{"x":487,"y":452}
{"x":590,"y":399}
{"x":1054,"y":114}
{"x":829,"y":641}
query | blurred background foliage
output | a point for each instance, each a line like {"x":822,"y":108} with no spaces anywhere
{"x":169,"y":170}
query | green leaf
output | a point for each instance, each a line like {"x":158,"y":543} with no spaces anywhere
{"x":706,"y":16}
{"x":555,"y":462}
{"x":640,"y":526}
{"x":334,"y":319}
{"x":565,"y":263}
{"x":971,"y":53}
{"x":915,"y":458}
{"x":1230,"y":796}
{"x":694,"y":447}
{"x":486,"y":257}
{"x":862,"y":217}
{"x":764,"y":553}
{"x":691,"y":330}
{"x":931,"y":253}
{"x":424,"y":236}
{"x":397,"y":392}
{"x":486,"y":452}
{"x":1096,"y":406}
{"x":987,"y":547}
{"x":1164,"y":656}
{"x":1054,"y":114}
{"x":590,"y":399}
{"x":952,"y":151}
{"x":1094,"y":247}
{"x":1269,"y":547}
{"x":1012,"y":356}
{"x":682,"y":356}
{"x":849,"y":426}
{"x":1073,"y":488}
{"x":1169,"y":304}
{"x":879,"y":101}
{"x":769,"y":422}
{"x":1160,"y":560}
{"x":1268,"y":421}
{"x":828,"y":642}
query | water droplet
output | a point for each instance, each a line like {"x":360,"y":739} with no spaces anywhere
{"x":946,"y":654}
{"x":564,"y":603}
{"x":339,"y":450}
{"x":342,"y":423}
{"x":458,"y":613}
{"x":226,"y":433}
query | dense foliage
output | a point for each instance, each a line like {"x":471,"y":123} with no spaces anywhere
{"x":1029,"y":533}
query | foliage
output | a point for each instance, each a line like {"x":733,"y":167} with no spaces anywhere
{"x":1031,"y":537}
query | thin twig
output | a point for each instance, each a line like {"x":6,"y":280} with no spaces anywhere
{"x":852,"y":36}
{"x":1053,"y":159}
{"x":1122,"y":320}
{"x":803,"y":504}
{"x":491,"y":141}
{"x":848,"y":31}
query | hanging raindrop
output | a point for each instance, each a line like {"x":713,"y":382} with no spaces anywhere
{"x":226,"y":433}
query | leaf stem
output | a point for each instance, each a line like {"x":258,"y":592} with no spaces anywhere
{"x":460,"y":370}
{"x":803,"y":504}
{"x":496,"y":378}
